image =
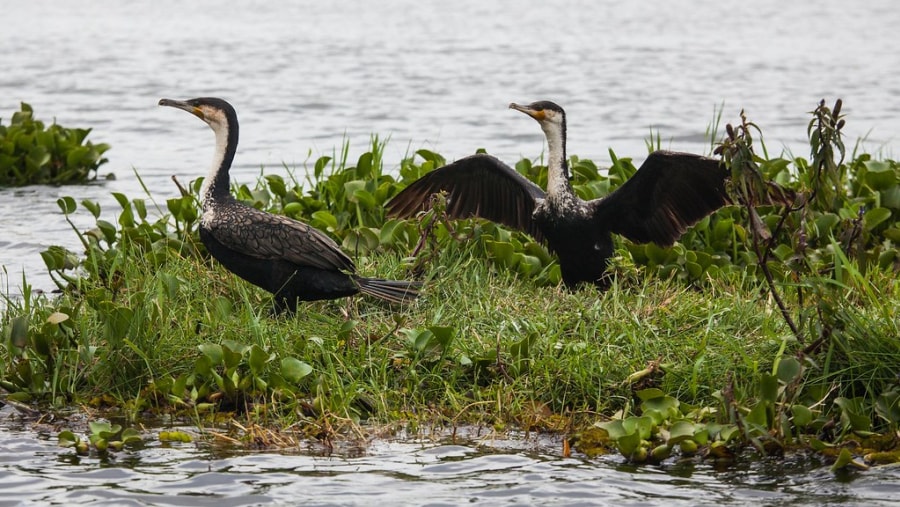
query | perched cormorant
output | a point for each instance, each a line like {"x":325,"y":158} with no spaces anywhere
{"x":290,"y":259}
{"x":670,"y":192}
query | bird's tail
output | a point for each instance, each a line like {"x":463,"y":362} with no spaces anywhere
{"x":394,"y":291}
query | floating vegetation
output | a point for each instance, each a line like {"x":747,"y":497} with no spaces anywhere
{"x":32,"y":154}
{"x":769,"y":327}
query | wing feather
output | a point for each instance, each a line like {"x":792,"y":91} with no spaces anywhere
{"x":669,"y":193}
{"x":476,"y":186}
{"x":275,"y":237}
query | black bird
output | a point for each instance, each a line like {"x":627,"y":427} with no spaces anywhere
{"x":670,"y":192}
{"x":290,"y":259}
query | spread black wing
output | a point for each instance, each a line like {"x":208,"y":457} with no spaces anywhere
{"x":669,"y":193}
{"x":476,"y":186}
{"x":266,"y":236}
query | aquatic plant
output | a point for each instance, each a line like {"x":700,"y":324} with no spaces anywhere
{"x":31,"y":153}
{"x":146,"y":322}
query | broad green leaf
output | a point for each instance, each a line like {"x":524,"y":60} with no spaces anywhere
{"x":293,"y":369}
{"x":67,"y":205}
{"x":681,"y":430}
{"x":258,"y":360}
{"x":789,"y":369}
{"x":214,"y":352}
{"x":875,"y":216}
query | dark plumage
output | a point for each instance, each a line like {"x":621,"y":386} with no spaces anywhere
{"x":283,"y":256}
{"x":670,"y":192}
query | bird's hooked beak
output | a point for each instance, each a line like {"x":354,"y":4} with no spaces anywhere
{"x":534,"y":113}
{"x":180,"y":104}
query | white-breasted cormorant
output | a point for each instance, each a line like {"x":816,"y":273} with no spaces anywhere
{"x":288,"y":258}
{"x":669,"y":192}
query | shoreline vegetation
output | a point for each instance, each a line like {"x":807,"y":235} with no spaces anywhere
{"x":770,"y":326}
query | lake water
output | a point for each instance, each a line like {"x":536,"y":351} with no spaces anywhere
{"x":305,"y":76}
{"x":477,"y":470}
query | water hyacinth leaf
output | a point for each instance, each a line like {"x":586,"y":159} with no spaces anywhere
{"x":423,"y":340}
{"x":98,"y":427}
{"x":293,"y":209}
{"x":887,"y":406}
{"x":443,"y":335}
{"x":179,"y":385}
{"x":650,"y":394}
{"x":853,"y":415}
{"x":880,"y":174}
{"x":141,"y":208}
{"x":67,"y":439}
{"x":528,"y":264}
{"x":294,"y":369}
{"x":693,"y":269}
{"x":614,"y":428}
{"x":18,"y":331}
{"x":231,"y":356}
{"x":666,"y":406}
{"x":364,"y":198}
{"x":41,"y":343}
{"x":845,"y":459}
{"x":118,"y":320}
{"x":364,"y":165}
{"x":629,"y":444}
{"x":362,"y":240}
{"x":783,"y":252}
{"x":432,"y":157}
{"x":890,"y":197}
{"x":276,"y":185}
{"x":213,"y":352}
{"x":351,"y":187}
{"x":122,"y":199}
{"x":874,"y":217}
{"x":108,"y":230}
{"x":325,"y":220}
{"x":768,"y":388}
{"x":260,"y":198}
{"x":392,"y":232}
{"x":91,"y":206}
{"x":728,"y":432}
{"x":502,"y":251}
{"x":522,"y":348}
{"x":681,"y":430}
{"x":802,"y":415}
{"x":67,"y":205}
{"x":258,"y":359}
{"x":758,"y":416}
{"x":642,"y":425}
{"x":789,"y":369}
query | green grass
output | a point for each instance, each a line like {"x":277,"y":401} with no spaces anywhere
{"x":582,"y":345}
{"x":151,"y":324}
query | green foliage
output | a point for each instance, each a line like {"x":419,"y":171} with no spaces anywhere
{"x":32,"y":154}
{"x":103,"y":438}
{"x":146,"y":319}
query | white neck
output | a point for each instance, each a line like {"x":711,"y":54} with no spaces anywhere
{"x":557,"y":180}
{"x":221,"y":131}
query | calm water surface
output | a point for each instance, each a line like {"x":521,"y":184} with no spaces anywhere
{"x":304,"y":76}
{"x":478,"y":471}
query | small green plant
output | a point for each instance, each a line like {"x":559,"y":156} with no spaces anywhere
{"x":32,"y":154}
{"x":103,"y":438}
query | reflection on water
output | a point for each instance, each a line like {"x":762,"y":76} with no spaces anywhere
{"x":306,"y":75}
{"x":484,"y":471}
